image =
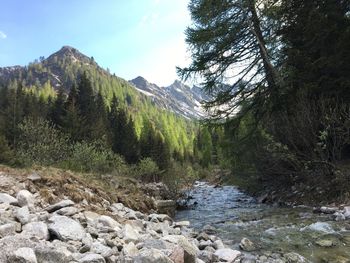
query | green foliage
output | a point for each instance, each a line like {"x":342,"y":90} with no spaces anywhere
{"x":40,"y":143}
{"x":6,"y":153}
{"x":147,"y":170}
{"x":94,"y":157}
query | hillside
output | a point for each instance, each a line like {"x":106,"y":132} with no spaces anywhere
{"x":63,"y":69}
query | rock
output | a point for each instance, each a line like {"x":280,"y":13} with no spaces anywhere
{"x":57,"y":254}
{"x":338,"y":216}
{"x":182,"y":224}
{"x":59,"y":205}
{"x":65,"y":228}
{"x":8,"y":199}
{"x":166,"y":207}
{"x":22,"y":215}
{"x":101,"y":249}
{"x":247,"y":245}
{"x":203,"y":244}
{"x":7,"y":229}
{"x":109,"y":222}
{"x":25,"y":198}
{"x":207,"y":256}
{"x":324,"y":243}
{"x":328,"y":210}
{"x":130,"y":235}
{"x":154,"y":243}
{"x":92,"y":258}
{"x":67,"y":211}
{"x":218,"y":244}
{"x":210,"y":230}
{"x":346,"y":212}
{"x":178,"y":255}
{"x":36,"y":229}
{"x":34,"y":177}
{"x":151,"y":256}
{"x":320,"y":227}
{"x":203,"y":236}
{"x":295,"y":258}
{"x":227,"y":254}
{"x":23,"y":255}
{"x":130,"y":250}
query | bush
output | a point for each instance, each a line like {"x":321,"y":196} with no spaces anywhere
{"x":41,"y":143}
{"x":94,"y":157}
{"x":6,"y":153}
{"x":147,"y":170}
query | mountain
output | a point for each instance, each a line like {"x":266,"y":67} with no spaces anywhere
{"x":177,"y":97}
{"x":62,"y":68}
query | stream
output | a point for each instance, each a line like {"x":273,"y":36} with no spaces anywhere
{"x":274,"y":229}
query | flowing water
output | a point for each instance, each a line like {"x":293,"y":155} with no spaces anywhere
{"x":236,"y":215}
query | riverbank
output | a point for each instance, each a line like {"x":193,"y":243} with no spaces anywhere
{"x":56,"y":216}
{"x":274,"y":231}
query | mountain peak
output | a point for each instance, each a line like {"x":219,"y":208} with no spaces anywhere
{"x":72,"y":53}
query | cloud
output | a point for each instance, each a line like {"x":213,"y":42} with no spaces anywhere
{"x":149,"y":20}
{"x":2,"y":35}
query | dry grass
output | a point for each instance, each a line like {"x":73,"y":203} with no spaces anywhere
{"x":56,"y":184}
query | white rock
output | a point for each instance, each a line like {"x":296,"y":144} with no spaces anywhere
{"x":151,"y":256}
{"x":7,"y":229}
{"x":182,"y":224}
{"x":101,"y":249}
{"x":109,"y":222}
{"x":34,"y":177}
{"x":65,"y":228}
{"x":92,"y":258}
{"x":320,"y":227}
{"x":130,"y":249}
{"x":8,"y":199}
{"x":23,"y":255}
{"x":130,"y":235}
{"x":36,"y":229}
{"x":25,"y":198}
{"x":59,"y":205}
{"x":22,"y":215}
{"x":67,"y":211}
{"x":227,"y":254}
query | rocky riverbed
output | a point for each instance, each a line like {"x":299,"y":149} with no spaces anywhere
{"x":33,"y":229}
{"x":267,"y":233}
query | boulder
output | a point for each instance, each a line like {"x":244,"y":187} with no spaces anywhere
{"x":67,"y":211}
{"x":109,"y":222}
{"x":25,"y":198}
{"x":34,"y":177}
{"x":178,"y":255}
{"x":8,"y":199}
{"x":101,"y":249}
{"x":247,"y":245}
{"x":130,"y":235}
{"x":65,"y":228}
{"x":57,"y":254}
{"x":59,"y":205}
{"x":130,"y":250}
{"x":227,"y":254}
{"x":9,"y":244}
{"x":7,"y":229}
{"x":36,"y":229}
{"x":151,"y":256}
{"x":22,"y":255}
{"x":92,"y":258}
{"x":22,"y":215}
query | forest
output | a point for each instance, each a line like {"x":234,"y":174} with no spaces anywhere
{"x":279,"y":73}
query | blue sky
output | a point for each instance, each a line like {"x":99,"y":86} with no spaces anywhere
{"x":130,"y":37}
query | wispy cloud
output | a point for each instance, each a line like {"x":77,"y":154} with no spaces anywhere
{"x":2,"y":35}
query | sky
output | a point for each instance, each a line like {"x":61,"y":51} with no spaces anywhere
{"x":130,"y":37}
